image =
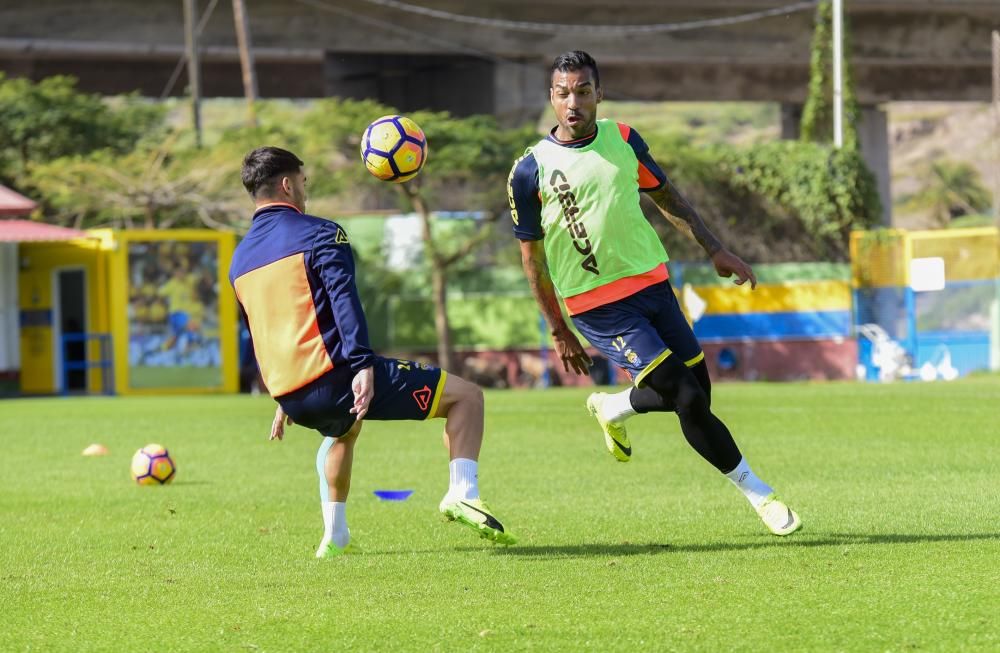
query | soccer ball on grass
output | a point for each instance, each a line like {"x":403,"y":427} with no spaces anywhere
{"x":152,"y":465}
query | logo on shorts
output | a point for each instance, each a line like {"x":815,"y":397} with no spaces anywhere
{"x":423,"y":398}
{"x":406,"y":366}
{"x":620,"y":344}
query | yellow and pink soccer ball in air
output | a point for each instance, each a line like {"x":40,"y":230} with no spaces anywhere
{"x":152,"y":465}
{"x":394,"y":148}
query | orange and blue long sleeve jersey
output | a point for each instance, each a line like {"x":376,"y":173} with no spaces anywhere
{"x":294,"y":278}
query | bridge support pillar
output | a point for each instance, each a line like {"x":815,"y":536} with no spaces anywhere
{"x":520,"y":91}
{"x":791,"y":121}
{"x":873,"y":133}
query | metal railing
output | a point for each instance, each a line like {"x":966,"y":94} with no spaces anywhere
{"x":104,"y":362}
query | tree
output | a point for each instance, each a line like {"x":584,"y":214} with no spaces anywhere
{"x":166,"y":183}
{"x":817,"y":115}
{"x":157,"y":185}
{"x":467,"y":166}
{"x":145,"y":189}
{"x":330,"y":135}
{"x":43,"y":121}
{"x":953,"y":189}
{"x":474,"y":154}
{"x":780,"y":201}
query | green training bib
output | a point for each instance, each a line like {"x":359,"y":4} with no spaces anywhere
{"x":595,"y":232}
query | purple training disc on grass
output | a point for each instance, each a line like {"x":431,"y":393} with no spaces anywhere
{"x":393,"y":495}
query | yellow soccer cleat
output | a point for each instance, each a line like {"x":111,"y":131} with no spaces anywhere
{"x":615,"y":436}
{"x":475,"y":514}
{"x":331,"y":550}
{"x":779,"y":518}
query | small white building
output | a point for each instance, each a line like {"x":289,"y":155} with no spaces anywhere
{"x":12,"y":232}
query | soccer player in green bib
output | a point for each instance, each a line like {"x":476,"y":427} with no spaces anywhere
{"x":574,"y":200}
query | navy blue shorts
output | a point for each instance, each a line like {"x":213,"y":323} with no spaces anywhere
{"x":403,"y":390}
{"x":640,"y":331}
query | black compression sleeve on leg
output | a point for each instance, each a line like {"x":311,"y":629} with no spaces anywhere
{"x":705,"y":432}
{"x":700,"y":372}
{"x":648,"y":400}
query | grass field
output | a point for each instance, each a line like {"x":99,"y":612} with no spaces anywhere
{"x":897,"y":485}
{"x":180,"y":376}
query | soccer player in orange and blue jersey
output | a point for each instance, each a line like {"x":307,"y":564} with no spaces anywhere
{"x":294,"y":278}
{"x":574,"y":199}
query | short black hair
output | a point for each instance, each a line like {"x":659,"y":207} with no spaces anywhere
{"x":263,"y":166}
{"x":575,"y":60}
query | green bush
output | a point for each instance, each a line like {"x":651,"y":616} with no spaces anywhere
{"x":772,"y":202}
{"x":829,"y":191}
{"x":45,"y":120}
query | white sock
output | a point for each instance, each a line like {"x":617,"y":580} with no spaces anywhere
{"x":335,"y":524}
{"x":752,"y":487}
{"x":617,"y":407}
{"x":464,"y":479}
{"x":327,"y":518}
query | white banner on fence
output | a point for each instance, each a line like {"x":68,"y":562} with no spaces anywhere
{"x":10,"y":342}
{"x":927,"y":274}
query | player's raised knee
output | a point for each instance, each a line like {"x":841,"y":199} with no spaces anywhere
{"x":679,"y":387}
{"x":691,"y":397}
{"x":468,"y":391}
{"x":459,"y":391}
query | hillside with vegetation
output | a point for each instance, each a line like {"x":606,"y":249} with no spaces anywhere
{"x":943,"y":164}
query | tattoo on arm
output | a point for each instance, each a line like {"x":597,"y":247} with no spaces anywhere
{"x":682,"y":215}
{"x":535,"y":268}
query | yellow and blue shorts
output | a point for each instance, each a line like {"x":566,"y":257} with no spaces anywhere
{"x":638,"y":332}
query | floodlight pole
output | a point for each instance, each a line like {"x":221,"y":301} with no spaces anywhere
{"x":246,"y":59}
{"x":996,"y":126}
{"x":995,"y":310}
{"x":194,"y":69}
{"x":838,"y":73}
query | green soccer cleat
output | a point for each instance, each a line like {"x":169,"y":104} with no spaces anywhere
{"x":779,"y":518}
{"x":475,"y":514}
{"x":615,"y":436}
{"x":331,"y":550}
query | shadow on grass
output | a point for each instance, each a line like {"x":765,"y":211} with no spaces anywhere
{"x":798,"y":540}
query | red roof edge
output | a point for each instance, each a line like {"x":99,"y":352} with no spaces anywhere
{"x":13,"y":203}
{"x":26,"y":231}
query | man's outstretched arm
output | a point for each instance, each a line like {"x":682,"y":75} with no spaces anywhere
{"x":682,"y":215}
{"x":566,"y":343}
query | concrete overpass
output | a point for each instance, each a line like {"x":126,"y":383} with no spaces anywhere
{"x":902,"y":50}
